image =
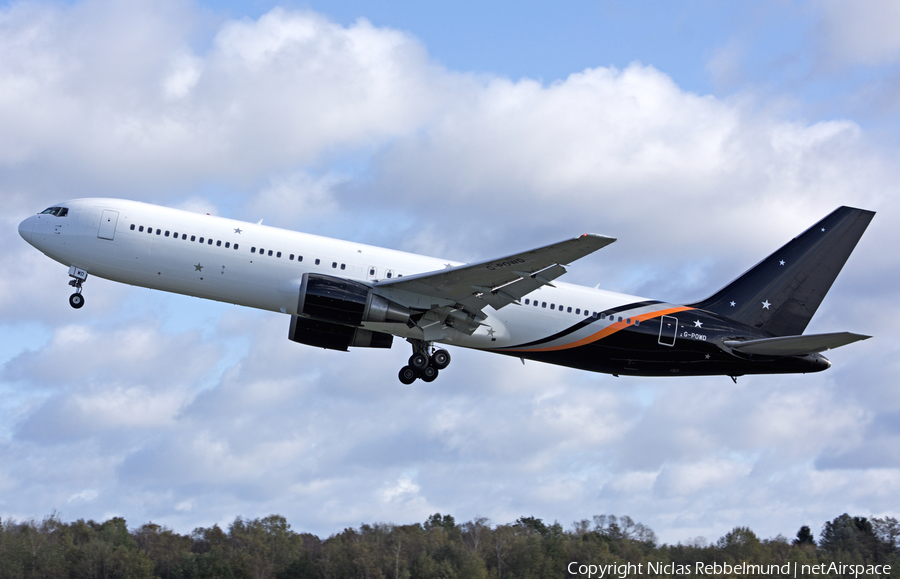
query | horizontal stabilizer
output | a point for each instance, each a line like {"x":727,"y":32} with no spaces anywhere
{"x":795,"y":345}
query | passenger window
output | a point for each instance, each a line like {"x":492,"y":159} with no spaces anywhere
{"x":637,"y":322}
{"x":235,"y":245}
{"x":543,"y":304}
{"x":194,"y":238}
{"x":318,"y":261}
{"x":252,"y":250}
{"x":343,"y":266}
{"x":371,"y":271}
{"x":184,"y":236}
{"x":227,"y":244}
{"x":527,"y":302}
{"x":201,"y":240}
{"x":209,"y":241}
{"x":552,"y":306}
{"x":167,"y":234}
{"x":175,"y":235}
{"x":389,"y":274}
{"x":620,"y":318}
{"x":333,"y":264}
{"x":158,"y":231}
{"x":299,"y":258}
{"x":569,"y":310}
{"x":218,"y":244}
{"x":577,"y":311}
{"x":270,"y":253}
{"x":628,"y":321}
{"x":291,"y":257}
{"x":278,"y":254}
{"x":132,"y":226}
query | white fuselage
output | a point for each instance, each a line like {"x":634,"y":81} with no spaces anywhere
{"x":261,"y":267}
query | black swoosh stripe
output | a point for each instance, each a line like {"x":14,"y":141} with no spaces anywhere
{"x":584,"y":323}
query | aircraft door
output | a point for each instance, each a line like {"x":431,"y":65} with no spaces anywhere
{"x":668,"y":328}
{"x":108,"y":224}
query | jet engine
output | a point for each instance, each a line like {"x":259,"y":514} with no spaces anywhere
{"x":335,"y":336}
{"x":332,"y":309}
{"x":343,"y":301}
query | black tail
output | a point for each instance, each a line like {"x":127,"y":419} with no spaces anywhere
{"x":781,"y":293}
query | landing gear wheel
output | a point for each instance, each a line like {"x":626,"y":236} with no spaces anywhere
{"x":440,"y":359}
{"x":429,"y":374}
{"x":76,"y":300}
{"x":418,"y":361}
{"x":407,"y":375}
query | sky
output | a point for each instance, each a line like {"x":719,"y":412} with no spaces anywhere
{"x":703,"y":135}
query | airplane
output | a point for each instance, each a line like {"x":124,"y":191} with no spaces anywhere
{"x":343,"y":294}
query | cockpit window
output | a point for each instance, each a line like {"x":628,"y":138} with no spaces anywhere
{"x":57,"y":211}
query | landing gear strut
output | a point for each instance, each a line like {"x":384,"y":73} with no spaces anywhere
{"x":422,"y":364}
{"x":78,"y":276}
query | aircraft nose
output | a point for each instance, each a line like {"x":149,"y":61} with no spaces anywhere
{"x":25,"y":229}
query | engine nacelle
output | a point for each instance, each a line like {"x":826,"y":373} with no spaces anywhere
{"x":335,"y":336}
{"x":347,"y":302}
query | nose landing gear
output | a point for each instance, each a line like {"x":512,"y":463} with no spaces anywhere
{"x":78,"y":276}
{"x":422,"y":365}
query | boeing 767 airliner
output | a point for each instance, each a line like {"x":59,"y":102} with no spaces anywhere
{"x":342,"y":294}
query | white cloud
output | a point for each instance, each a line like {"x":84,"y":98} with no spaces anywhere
{"x":864,"y":32}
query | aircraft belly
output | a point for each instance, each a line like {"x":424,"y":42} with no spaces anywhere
{"x":638,"y":353}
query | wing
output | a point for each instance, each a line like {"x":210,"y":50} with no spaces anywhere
{"x":462,"y":292}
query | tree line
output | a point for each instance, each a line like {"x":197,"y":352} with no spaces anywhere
{"x":439,"y":548}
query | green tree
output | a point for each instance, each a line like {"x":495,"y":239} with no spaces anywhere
{"x":804,"y":537}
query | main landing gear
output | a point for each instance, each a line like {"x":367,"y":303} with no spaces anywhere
{"x":78,"y":276}
{"x":422,"y":365}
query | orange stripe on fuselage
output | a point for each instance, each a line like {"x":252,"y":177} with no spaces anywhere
{"x":607,"y":331}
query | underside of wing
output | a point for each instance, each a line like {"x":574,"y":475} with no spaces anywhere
{"x":795,"y":345}
{"x":462,"y":292}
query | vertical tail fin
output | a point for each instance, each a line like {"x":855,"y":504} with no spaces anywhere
{"x":781,"y":293}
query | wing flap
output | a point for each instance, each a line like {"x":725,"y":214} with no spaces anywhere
{"x":795,"y":345}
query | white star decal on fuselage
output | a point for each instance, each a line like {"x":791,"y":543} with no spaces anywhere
{"x":698,"y":324}
{"x":781,"y":262}
{"x":766,"y":304}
